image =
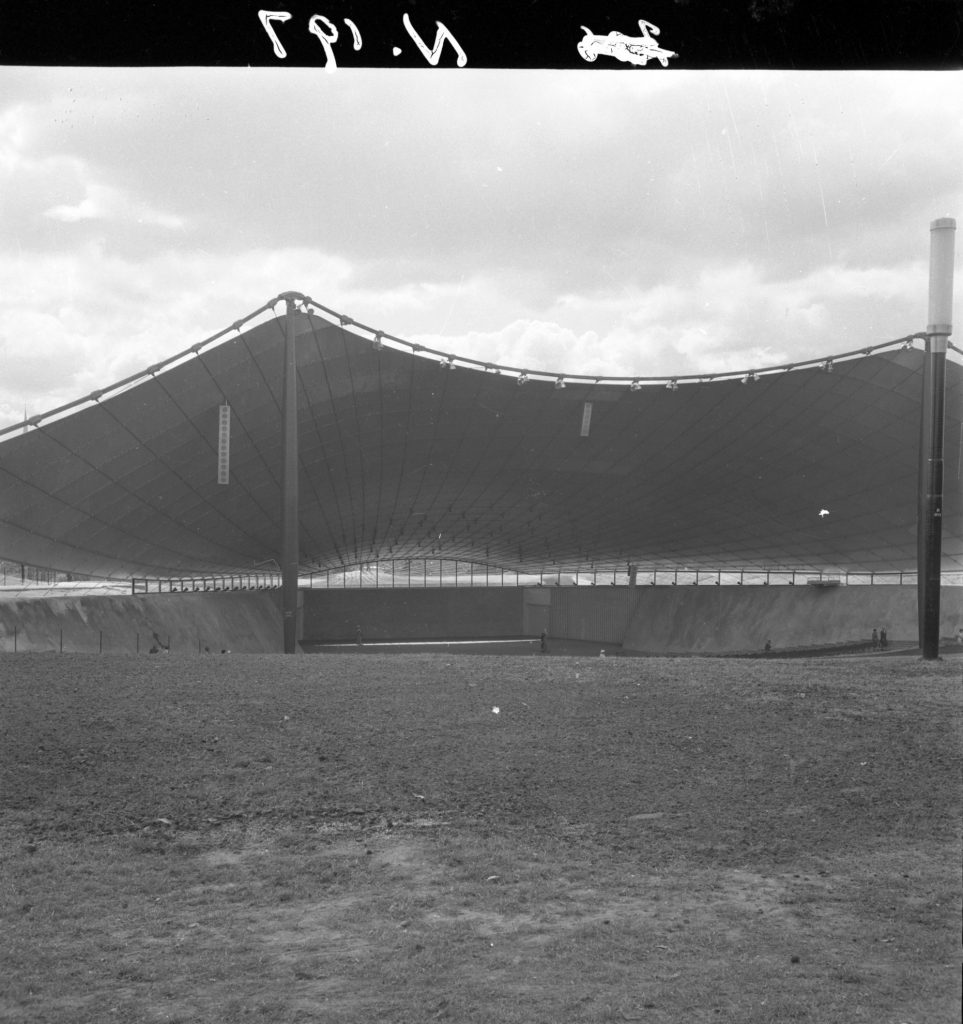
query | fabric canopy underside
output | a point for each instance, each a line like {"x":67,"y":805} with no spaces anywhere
{"x":402,"y":457}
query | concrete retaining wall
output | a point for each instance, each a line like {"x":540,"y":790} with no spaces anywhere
{"x":536,"y":611}
{"x":592,"y":613}
{"x":334,"y":615}
{"x":720,"y":619}
{"x":662,"y":619}
{"x":659,"y":620}
{"x":242,"y":622}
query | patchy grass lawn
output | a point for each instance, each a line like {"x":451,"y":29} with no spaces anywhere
{"x":355,"y":839}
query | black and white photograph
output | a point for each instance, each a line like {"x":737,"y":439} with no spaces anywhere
{"x":481,"y":513}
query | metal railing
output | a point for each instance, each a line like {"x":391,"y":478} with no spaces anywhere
{"x":198,"y":584}
{"x":468,"y":574}
{"x":14,"y":573}
{"x":100,"y":641}
{"x":424,"y":573}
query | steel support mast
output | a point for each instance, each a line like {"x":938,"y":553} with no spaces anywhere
{"x":290,"y":543}
{"x":930,"y":515}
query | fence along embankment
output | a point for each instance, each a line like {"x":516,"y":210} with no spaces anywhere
{"x":713,"y":620}
{"x":701,"y":619}
{"x":241,"y":622}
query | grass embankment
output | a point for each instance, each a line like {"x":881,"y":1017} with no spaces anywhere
{"x":348,"y":839}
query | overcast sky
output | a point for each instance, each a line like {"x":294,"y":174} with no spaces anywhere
{"x":628,"y":222}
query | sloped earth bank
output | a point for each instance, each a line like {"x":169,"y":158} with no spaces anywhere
{"x":492,"y":839}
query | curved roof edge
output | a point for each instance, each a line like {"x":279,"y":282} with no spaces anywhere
{"x":381,"y":338}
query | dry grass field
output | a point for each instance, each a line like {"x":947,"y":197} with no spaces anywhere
{"x":506,"y":840}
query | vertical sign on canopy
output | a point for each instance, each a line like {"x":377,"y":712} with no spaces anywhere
{"x":224,"y":445}
{"x":586,"y":419}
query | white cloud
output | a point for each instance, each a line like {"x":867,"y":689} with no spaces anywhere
{"x":87,"y":209}
{"x":102,"y":202}
{"x":527,"y":344}
{"x":607,"y":223}
{"x":72,"y":325}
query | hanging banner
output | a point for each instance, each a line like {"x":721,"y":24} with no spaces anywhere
{"x":224,"y":445}
{"x":586,"y":419}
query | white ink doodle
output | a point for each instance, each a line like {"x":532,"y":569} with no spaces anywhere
{"x":441,"y":36}
{"x":631,"y":49}
{"x":327,"y":33}
{"x":266,"y":18}
{"x":325,"y":38}
{"x":331,"y":36}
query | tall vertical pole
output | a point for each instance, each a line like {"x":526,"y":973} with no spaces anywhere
{"x":930,"y":517}
{"x":289,"y":485}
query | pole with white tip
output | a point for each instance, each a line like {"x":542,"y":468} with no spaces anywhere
{"x":930,"y":516}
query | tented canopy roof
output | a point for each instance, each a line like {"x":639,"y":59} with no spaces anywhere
{"x":404,"y":454}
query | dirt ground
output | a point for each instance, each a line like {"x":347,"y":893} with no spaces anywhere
{"x":503,"y":839}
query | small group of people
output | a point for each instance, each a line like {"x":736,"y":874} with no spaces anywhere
{"x":879,"y":639}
